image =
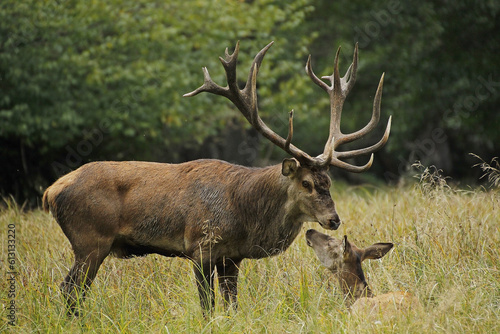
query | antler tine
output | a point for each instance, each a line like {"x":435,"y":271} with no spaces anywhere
{"x":246,"y":100}
{"x":252,"y":76}
{"x":314,"y":78}
{"x":290,"y":131}
{"x":347,"y":138}
{"x":229,"y":65}
{"x":349,"y":78}
{"x":208,"y":86}
{"x":352,"y":168}
{"x":370,"y":149}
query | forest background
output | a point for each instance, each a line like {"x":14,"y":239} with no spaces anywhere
{"x":83,"y":81}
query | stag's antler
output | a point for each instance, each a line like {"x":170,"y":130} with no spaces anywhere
{"x":338,"y":91}
{"x":246,"y":101}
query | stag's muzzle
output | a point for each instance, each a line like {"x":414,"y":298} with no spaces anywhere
{"x":332,"y":223}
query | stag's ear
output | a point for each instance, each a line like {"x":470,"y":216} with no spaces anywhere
{"x":289,"y":167}
{"x":376,"y":251}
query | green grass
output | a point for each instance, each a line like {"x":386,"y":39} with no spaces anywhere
{"x":447,"y":251}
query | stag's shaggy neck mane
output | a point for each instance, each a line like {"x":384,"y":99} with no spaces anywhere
{"x":264,"y":204}
{"x":256,"y":199}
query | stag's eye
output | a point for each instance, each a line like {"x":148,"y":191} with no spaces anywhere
{"x":306,"y":184}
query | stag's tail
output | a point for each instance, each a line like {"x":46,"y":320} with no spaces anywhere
{"x":45,"y":200}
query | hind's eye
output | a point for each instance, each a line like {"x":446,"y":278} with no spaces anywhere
{"x":306,"y":184}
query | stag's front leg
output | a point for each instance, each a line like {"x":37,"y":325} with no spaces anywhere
{"x":228,"y":270}
{"x":205,"y":281}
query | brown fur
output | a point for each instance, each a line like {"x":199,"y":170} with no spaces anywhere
{"x":212,"y":212}
{"x":344,"y":259}
{"x":388,"y":304}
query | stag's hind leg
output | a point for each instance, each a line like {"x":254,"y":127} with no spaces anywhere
{"x":81,"y":275}
{"x":227,"y":271}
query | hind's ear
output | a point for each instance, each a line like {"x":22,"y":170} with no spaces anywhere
{"x":289,"y":167}
{"x":346,"y":247}
{"x":376,"y":251}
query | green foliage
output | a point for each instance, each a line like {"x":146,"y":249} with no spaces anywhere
{"x":88,"y":80}
{"x":71,"y":64}
{"x":83,"y":81}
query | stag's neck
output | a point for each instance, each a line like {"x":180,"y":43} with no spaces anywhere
{"x":267,"y":207}
{"x":265,"y":193}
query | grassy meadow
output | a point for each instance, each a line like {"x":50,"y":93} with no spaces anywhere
{"x":447,"y":252}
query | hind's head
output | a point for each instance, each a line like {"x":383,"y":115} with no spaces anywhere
{"x":344,"y":259}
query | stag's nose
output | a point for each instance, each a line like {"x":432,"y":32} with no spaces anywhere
{"x":334,"y":222}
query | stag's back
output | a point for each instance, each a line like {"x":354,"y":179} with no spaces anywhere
{"x":146,"y":207}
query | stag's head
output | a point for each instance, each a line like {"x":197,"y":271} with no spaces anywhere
{"x":310,"y":184}
{"x":309,"y":191}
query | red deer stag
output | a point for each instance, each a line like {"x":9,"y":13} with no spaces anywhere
{"x":212,"y":212}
